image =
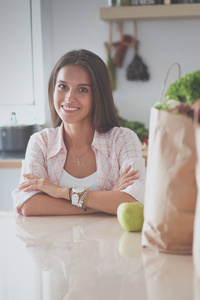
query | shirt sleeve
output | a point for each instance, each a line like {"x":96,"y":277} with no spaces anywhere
{"x":130,"y":153}
{"x":33,"y":164}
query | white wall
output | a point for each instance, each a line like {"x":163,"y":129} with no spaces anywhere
{"x":76,"y":24}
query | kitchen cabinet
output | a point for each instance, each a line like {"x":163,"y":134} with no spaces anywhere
{"x":148,"y":12}
{"x":21,"y":54}
{"x":10,"y":169}
{"x":9,"y":180}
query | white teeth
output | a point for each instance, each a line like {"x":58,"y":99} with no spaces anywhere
{"x":70,"y":108}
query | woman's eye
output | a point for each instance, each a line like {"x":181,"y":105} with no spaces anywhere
{"x":62,"y":86}
{"x":82,"y":89}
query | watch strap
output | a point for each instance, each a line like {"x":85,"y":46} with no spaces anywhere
{"x":70,"y":198}
{"x":76,"y":197}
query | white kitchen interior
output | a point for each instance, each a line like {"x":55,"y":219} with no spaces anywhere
{"x":58,"y":27}
{"x":66,"y":25}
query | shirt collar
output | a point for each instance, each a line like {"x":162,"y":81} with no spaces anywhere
{"x":100,"y":142}
{"x":58,"y":143}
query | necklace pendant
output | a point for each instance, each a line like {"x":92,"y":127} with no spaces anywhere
{"x":78,"y":162}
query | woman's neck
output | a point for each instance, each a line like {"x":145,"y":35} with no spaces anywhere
{"x":78,"y":137}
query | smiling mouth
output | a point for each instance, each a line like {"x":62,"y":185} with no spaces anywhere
{"x":70,"y":109}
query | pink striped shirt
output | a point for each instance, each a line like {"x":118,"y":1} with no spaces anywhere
{"x":114,"y":151}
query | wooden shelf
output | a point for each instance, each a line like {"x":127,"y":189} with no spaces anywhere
{"x":173,"y":11}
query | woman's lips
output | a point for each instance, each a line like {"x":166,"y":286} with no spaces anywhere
{"x":70,"y":109}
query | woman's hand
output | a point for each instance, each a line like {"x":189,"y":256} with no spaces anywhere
{"x":127,"y":178}
{"x":41,"y":184}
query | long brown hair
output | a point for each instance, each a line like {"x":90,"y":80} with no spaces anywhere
{"x":104,"y":115}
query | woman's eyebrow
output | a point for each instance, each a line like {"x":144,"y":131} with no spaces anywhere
{"x":85,"y":84}
{"x":80,"y":84}
{"x":61,"y":81}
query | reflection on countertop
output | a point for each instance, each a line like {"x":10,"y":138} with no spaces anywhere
{"x":86,"y":257}
{"x":83,"y":252}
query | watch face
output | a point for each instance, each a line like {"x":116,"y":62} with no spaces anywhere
{"x":75,"y":198}
{"x":78,"y":189}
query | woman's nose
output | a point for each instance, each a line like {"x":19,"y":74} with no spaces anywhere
{"x":70,"y":96}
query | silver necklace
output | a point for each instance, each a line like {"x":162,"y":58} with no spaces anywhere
{"x":78,"y":157}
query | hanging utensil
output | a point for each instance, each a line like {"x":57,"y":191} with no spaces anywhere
{"x":137,"y":70}
{"x":121,"y":46}
{"x":110,"y":62}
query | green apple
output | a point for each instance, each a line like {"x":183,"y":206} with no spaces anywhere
{"x":130,"y":216}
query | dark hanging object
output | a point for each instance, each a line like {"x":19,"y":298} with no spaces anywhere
{"x":110,"y":62}
{"x":137,"y":70}
{"x":111,"y":67}
{"x":120,"y":49}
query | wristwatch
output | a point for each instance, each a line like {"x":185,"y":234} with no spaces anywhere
{"x":77,"y":192}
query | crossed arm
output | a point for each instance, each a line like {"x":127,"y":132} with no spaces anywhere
{"x":54,"y":200}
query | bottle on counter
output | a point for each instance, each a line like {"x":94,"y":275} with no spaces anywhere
{"x":13,"y":118}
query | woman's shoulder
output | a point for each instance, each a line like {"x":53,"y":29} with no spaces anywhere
{"x":46,"y":135}
{"x":46,"y":132}
{"x":122,"y":137}
{"x":121,"y":132}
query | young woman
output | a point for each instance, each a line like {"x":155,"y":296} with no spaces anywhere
{"x":86,"y":163}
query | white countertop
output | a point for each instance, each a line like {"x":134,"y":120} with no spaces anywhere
{"x":86,"y":257}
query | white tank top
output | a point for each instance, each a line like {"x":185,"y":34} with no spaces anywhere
{"x":89,"y":182}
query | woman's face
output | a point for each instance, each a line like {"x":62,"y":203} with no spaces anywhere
{"x":73,"y":99}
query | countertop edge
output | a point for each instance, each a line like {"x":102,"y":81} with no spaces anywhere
{"x":10,"y":163}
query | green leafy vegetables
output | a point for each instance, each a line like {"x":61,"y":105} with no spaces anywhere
{"x":182,"y":95}
{"x":186,"y":89}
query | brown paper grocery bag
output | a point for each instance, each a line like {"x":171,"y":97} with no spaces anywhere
{"x":171,"y":191}
{"x":196,"y":244}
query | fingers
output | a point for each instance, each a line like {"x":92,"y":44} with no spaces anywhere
{"x":41,"y":184}
{"x":31,"y":184}
{"x":130,"y":175}
{"x":126,"y":178}
{"x":125,"y":172}
{"x":125,"y":185}
{"x":122,"y":186}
